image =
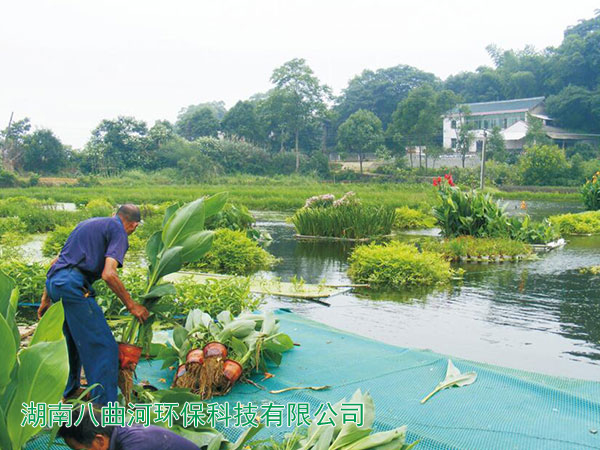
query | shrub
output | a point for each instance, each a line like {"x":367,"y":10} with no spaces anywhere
{"x":581,"y":223}
{"x":8,"y":179}
{"x":343,"y":218}
{"x":231,"y":216}
{"x":232,"y":252}
{"x":87,"y":181}
{"x":55,"y":241}
{"x":215,"y":296}
{"x":99,"y":207}
{"x":591,"y":193}
{"x":11,"y":224}
{"x":31,"y":278}
{"x":544,"y":165}
{"x":396,"y":265}
{"x":410,"y":219}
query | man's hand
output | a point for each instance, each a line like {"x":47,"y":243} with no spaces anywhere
{"x":139,"y":311}
{"x":44,"y":305}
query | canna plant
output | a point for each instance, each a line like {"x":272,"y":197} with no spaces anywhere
{"x":37,"y":373}
{"x":182,"y":239}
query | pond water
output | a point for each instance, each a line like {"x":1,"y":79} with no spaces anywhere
{"x":541,"y":316}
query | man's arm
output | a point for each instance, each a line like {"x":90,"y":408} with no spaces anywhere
{"x":111,"y":278}
{"x":45,"y":303}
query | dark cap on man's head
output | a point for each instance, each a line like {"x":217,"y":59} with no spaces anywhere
{"x":130,"y":212}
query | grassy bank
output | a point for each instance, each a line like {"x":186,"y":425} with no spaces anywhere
{"x":261,"y":193}
{"x":557,"y":194}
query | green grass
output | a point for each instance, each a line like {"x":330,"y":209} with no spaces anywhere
{"x":412,"y":219}
{"x":260,"y":193}
{"x":462,"y":246}
{"x":559,"y":195}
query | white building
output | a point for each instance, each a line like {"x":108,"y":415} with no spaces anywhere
{"x":511,"y":117}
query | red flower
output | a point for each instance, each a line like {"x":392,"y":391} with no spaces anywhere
{"x":435,"y":182}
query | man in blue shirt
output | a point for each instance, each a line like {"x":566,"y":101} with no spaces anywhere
{"x":93,"y":250}
{"x":90,"y":435}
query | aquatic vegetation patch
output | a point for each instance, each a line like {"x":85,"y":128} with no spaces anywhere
{"x":412,"y":219}
{"x":471,"y":248}
{"x":396,"y":265}
{"x":591,"y":193}
{"x":346,"y":218}
{"x":232,"y":252}
{"x":579,"y":223}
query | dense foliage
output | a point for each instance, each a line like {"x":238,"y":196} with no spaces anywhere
{"x":233,"y":252}
{"x":581,"y":223}
{"x":410,"y":219}
{"x":396,"y":265}
{"x":469,"y":246}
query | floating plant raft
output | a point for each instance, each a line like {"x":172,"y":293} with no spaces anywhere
{"x":272,"y":287}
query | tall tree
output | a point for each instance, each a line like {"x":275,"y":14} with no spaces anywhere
{"x":464,"y":132}
{"x":361,"y":133}
{"x":44,"y":153}
{"x":380,"y":91}
{"x":117,"y":145}
{"x":303,"y":100}
{"x":495,"y":146}
{"x":241,"y":121}
{"x":418,"y":118}
{"x":13,"y":138}
{"x":194,"y":122}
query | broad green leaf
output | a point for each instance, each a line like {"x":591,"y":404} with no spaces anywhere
{"x":238,"y":347}
{"x":280,"y":343}
{"x":325,"y":439}
{"x":160,"y":291}
{"x":169,"y":262}
{"x":378,"y":439}
{"x":4,"y":437}
{"x":8,"y":353}
{"x":269,"y":324}
{"x":274,"y":357}
{"x":50,"y":327}
{"x":153,"y":247}
{"x":41,"y":377}
{"x":196,"y":245}
{"x":186,"y":220}
{"x":8,"y":297}
{"x":224,"y":317}
{"x":168,"y":355}
{"x":453,"y":378}
{"x":214,"y":204}
{"x":169,"y":213}
{"x":179,"y":335}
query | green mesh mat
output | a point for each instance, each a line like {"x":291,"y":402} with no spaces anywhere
{"x":503,"y":409}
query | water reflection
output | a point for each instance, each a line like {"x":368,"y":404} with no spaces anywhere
{"x":538,"y":315}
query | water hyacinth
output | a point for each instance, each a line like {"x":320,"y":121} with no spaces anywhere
{"x":320,"y":201}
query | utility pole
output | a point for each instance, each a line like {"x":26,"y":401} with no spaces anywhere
{"x":482,"y":174}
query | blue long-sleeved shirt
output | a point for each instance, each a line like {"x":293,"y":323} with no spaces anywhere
{"x":148,"y":438}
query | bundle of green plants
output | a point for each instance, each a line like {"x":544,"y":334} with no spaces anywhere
{"x":580,"y":223}
{"x":331,"y":432}
{"x":215,"y":296}
{"x":182,"y":240}
{"x":591,"y":193}
{"x":411,"y":219}
{"x":343,"y":218}
{"x":592,"y":270}
{"x":236,"y":218}
{"x":232,"y":252}
{"x":395,"y":265}
{"x":468,"y":246}
{"x":11,"y":224}
{"x":212,"y":355}
{"x":33,"y":374}
{"x":523,"y":229}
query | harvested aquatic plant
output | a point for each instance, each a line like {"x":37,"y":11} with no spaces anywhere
{"x":230,"y":348}
{"x":453,"y":378}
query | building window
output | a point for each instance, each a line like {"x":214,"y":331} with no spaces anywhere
{"x":485,"y":124}
{"x":453,"y":143}
{"x":479,"y":145}
{"x":504,"y":122}
{"x":453,"y":124}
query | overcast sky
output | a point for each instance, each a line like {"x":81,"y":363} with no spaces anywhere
{"x":69,"y":64}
